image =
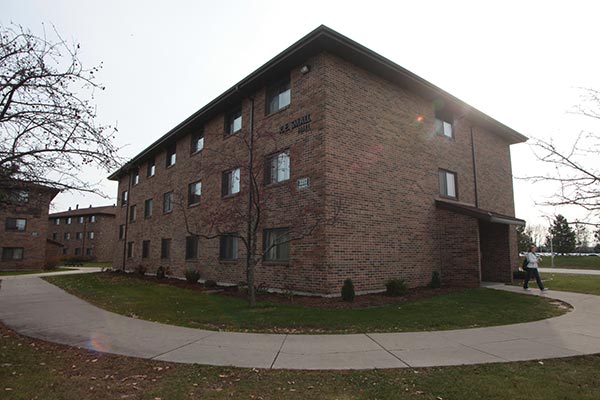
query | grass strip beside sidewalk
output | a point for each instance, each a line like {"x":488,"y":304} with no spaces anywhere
{"x":171,"y":305}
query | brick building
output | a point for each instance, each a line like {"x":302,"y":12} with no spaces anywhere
{"x":23,"y":238}
{"x":392,"y":176}
{"x":85,"y":232}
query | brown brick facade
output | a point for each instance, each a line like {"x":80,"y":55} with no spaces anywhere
{"x":87,"y":232}
{"x":372,"y":148}
{"x":32,"y":240}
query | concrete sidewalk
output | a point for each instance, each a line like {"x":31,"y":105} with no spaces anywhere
{"x":74,"y":271}
{"x":570,"y":271}
{"x":38,"y":309}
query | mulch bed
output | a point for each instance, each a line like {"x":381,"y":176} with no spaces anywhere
{"x":362,"y":301}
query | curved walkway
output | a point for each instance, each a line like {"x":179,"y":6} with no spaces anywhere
{"x":34,"y":307}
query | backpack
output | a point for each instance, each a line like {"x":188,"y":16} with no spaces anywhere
{"x":524,"y":265}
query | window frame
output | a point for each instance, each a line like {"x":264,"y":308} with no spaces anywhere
{"x":132,"y":213}
{"x":121,"y":231}
{"x":443,"y":183}
{"x":276,"y":248}
{"x":124,"y":198}
{"x":229,"y":247}
{"x":197,"y":137}
{"x":268,"y":172}
{"x":9,"y":228}
{"x":170,"y":195}
{"x":136,"y":177}
{"x":151,"y":168}
{"x":91,"y":235}
{"x":165,"y":248}
{"x":192,"y":246}
{"x":130,"y":249}
{"x":227,"y":182}
{"x":274,"y":91}
{"x":145,"y":249}
{"x":148,"y":210}
{"x":194,"y":198}
{"x":5,"y":251}
{"x":230,"y":119}
{"x":171,"y":155}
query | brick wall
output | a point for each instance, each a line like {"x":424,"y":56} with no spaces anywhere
{"x":102,"y":246}
{"x":372,"y":147}
{"x":33,"y":239}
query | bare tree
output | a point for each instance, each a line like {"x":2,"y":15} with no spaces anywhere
{"x":48,"y":131}
{"x":576,"y":170}
{"x":242,"y":217}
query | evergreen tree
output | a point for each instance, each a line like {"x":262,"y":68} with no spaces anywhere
{"x":524,"y":238}
{"x":563,"y":236}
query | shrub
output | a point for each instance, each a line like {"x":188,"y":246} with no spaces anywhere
{"x":436,"y":280}
{"x":192,"y":275}
{"x":141,"y":270}
{"x":519,"y":274}
{"x":395,"y":287}
{"x":160,"y":272}
{"x":210,"y":284}
{"x":51,"y":265}
{"x":348,"y":291}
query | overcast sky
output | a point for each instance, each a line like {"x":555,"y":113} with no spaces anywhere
{"x":520,"y":62}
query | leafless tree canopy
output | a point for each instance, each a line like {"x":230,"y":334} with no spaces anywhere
{"x":47,"y":128}
{"x":576,"y":169}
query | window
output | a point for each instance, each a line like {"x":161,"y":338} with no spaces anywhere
{"x":121,"y":231}
{"x":191,"y":247}
{"x":136,"y":177}
{"x":69,"y":220}
{"x":92,"y":219}
{"x":67,"y":236}
{"x":194,"y":193}
{"x":278,"y":96}
{"x":145,"y":249}
{"x":165,"y":248}
{"x":16,"y":224}
{"x":130,"y":249}
{"x":171,"y":155}
{"x":233,"y":121}
{"x":80,"y":220}
{"x":57,"y":221}
{"x":124,"y":197}
{"x":168,"y":202}
{"x":230,"y":183}
{"x":79,"y":235}
{"x":448,"y":186}
{"x":91,"y":235}
{"x":89,"y":252}
{"x":65,"y":250}
{"x":55,"y":236}
{"x":197,"y":142}
{"x":277,"y":245}
{"x":12,"y":253}
{"x":19,"y":197}
{"x":132,"y":213}
{"x":228,"y":247}
{"x":277,"y":168}
{"x":443,"y":124}
{"x":148,"y":204}
{"x":151,"y":168}
{"x":77,"y":251}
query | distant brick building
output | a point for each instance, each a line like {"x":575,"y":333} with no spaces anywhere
{"x":23,"y":237}
{"x":87,"y":232}
{"x":421,"y":180}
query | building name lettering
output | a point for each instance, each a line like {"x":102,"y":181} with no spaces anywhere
{"x":302,"y":123}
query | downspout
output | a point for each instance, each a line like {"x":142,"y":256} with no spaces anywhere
{"x":126,"y":218}
{"x":474,"y":168}
{"x":249,"y":266}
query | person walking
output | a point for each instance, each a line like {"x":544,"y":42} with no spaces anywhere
{"x":532,"y":269}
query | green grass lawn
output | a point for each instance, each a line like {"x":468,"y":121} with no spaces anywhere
{"x":39,"y":271}
{"x":572,"y":262}
{"x":572,"y":283}
{"x":167,"y":304}
{"x":33,"y":369}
